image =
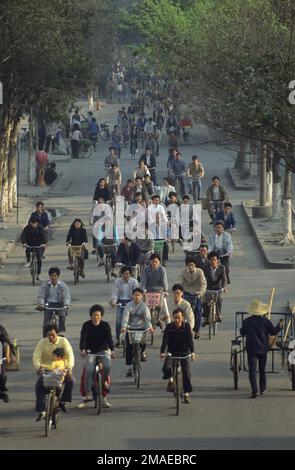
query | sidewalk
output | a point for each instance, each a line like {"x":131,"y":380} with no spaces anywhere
{"x":267,"y":233}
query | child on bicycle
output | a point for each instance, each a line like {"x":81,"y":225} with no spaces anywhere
{"x":178,"y":341}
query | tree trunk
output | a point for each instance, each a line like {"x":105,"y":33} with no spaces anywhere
{"x":269,"y":178}
{"x":12,"y":196}
{"x":31,"y":175}
{"x":288,"y":232}
{"x":277,"y":188}
{"x":4,"y":151}
{"x":246,"y":160}
{"x":263,"y":175}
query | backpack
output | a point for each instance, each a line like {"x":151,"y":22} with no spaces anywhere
{"x":15,"y":358}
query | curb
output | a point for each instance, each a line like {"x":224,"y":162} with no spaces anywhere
{"x":238,"y":187}
{"x":269,"y":264}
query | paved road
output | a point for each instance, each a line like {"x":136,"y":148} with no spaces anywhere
{"x":218,"y":417}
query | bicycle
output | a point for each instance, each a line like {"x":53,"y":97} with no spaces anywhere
{"x":97,"y":385}
{"x":53,"y":384}
{"x":137,"y":338}
{"x":142,"y":137}
{"x":177,"y":378}
{"x":291,"y":363}
{"x":86,"y":149}
{"x":133,"y":149}
{"x":108,"y":259}
{"x":104,"y":132}
{"x":179,"y":184}
{"x":76,"y":252}
{"x":34,"y":262}
{"x":211,"y":298}
{"x":236,"y":359}
{"x":54,"y":310}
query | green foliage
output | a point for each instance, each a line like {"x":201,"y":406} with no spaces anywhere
{"x":232,"y":61}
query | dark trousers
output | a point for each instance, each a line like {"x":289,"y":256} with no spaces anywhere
{"x":112,"y":254}
{"x":49,"y":141}
{"x":3,"y":379}
{"x":75,"y":144}
{"x":39,"y":252}
{"x":153,"y":177}
{"x":129,"y":350}
{"x":225,"y":262}
{"x":252,"y":364}
{"x":41,"y":395}
{"x":197,"y":308}
{"x":41,"y":143}
{"x":48,"y":316}
{"x":186,"y":373}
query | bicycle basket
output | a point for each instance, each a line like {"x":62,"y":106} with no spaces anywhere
{"x":53,"y":380}
{"x":76,"y":251}
{"x":153,"y":299}
{"x":137,"y":337}
{"x":86,"y":144}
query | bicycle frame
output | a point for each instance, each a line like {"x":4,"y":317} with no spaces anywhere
{"x":33,"y":261}
{"x":97,"y":382}
{"x":177,"y":377}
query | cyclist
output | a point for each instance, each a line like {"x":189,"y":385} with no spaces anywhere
{"x":227,"y":217}
{"x":149,"y":128}
{"x":141,"y":170}
{"x":221,"y":242}
{"x":201,"y":258}
{"x":177,"y":167}
{"x":114,"y":180}
{"x":148,"y":185}
{"x":93,"y":130}
{"x":154,"y":279}
{"x":194,"y":286}
{"x":128,"y":191}
{"x":42,"y":215}
{"x":77,"y":236}
{"x":116,"y":138}
{"x":171,"y":123}
{"x":6,"y":347}
{"x":129,"y":254}
{"x":196,"y":172}
{"x":96,"y":337}
{"x":166,"y":189}
{"x":43,"y":355}
{"x":101,"y":191}
{"x":55,"y":293}
{"x":178,"y":341}
{"x":216,"y":279}
{"x":108,"y":236}
{"x":142,"y":120}
{"x":33,"y":235}
{"x":178,"y":301}
{"x":136,"y":315}
{"x":125,"y":129}
{"x":111,"y":159}
{"x":134,"y":137}
{"x":122,"y":294}
{"x":150,"y":161}
{"x":216,"y":195}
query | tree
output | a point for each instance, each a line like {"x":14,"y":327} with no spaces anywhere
{"x":49,"y":54}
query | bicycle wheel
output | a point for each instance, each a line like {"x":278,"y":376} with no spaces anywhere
{"x":107,"y":265}
{"x":76,"y":272}
{"x":235,"y":368}
{"x":56,"y":414}
{"x":34,"y":270}
{"x":210,"y":321}
{"x":49,"y":413}
{"x":89,"y":152}
{"x":177,"y":390}
{"x":103,"y":135}
{"x":137,"y":367}
{"x":98,"y":392}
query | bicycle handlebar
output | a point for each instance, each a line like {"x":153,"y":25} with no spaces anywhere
{"x":211,"y":291}
{"x":40,"y":246}
{"x":178,"y":357}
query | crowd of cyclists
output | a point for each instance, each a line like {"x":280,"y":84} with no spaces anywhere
{"x":156,"y":217}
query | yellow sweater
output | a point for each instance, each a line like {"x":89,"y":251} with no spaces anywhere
{"x":44,"y":349}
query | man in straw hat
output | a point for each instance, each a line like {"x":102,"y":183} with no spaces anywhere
{"x":257,"y":330}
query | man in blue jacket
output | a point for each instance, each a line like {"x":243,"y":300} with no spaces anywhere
{"x":227,"y":217}
{"x":257,"y":330}
{"x":129,"y":254}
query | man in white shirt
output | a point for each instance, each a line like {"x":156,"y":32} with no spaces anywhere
{"x":121,"y":295}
